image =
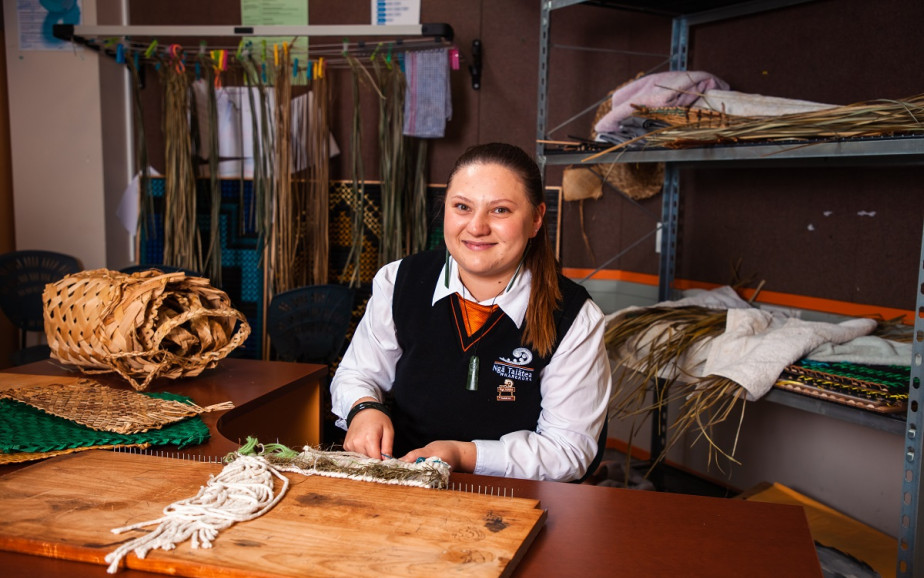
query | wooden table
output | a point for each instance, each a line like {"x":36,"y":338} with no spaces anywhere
{"x":589,"y":530}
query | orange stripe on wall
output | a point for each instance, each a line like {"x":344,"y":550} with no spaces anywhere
{"x":768,"y":297}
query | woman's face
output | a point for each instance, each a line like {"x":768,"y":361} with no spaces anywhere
{"x":487,"y":222}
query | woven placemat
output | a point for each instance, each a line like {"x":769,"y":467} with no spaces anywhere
{"x":26,"y":429}
{"x":100,"y":407}
{"x":20,"y":457}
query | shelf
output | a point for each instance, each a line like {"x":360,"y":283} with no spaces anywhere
{"x":890,"y":423}
{"x":879,"y":151}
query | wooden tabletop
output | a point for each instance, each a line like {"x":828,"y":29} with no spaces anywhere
{"x":588,"y":531}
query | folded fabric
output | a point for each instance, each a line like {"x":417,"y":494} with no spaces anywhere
{"x":758,"y":345}
{"x":664,"y":89}
{"x":747,"y":104}
{"x":427,"y":99}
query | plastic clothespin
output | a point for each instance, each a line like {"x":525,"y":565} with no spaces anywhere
{"x":198,"y":70}
{"x":120,"y":53}
{"x":150,"y":49}
{"x":388,"y":57}
{"x":240,"y":48}
{"x":346,"y":46}
{"x":275,"y":54}
{"x":321,"y":67}
{"x":309,"y":70}
{"x":295,"y":68}
{"x":177,"y":52}
{"x":454,"y":58}
{"x":374,"y":52}
{"x":136,"y":59}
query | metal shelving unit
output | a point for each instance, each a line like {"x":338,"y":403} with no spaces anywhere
{"x":872,"y":152}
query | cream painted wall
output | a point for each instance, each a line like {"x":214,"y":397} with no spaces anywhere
{"x":56,"y":128}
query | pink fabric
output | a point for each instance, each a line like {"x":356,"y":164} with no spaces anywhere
{"x":664,"y":89}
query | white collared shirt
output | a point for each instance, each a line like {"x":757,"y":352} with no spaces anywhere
{"x":575,"y":385}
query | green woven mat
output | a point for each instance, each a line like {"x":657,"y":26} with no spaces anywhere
{"x":875,"y":386}
{"x":26,"y":429}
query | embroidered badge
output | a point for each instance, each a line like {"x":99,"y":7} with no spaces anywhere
{"x":521,"y":356}
{"x":506,"y":391}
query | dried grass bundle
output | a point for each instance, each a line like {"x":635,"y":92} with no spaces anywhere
{"x":182,"y":245}
{"x":652,"y":344}
{"x":875,"y":118}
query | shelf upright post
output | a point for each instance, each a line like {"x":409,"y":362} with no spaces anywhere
{"x":670,"y":195}
{"x":910,"y":539}
{"x":543,"y":90}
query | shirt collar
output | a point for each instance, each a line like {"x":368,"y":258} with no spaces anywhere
{"x":512,"y":302}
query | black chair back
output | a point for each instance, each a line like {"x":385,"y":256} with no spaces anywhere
{"x":309,"y":324}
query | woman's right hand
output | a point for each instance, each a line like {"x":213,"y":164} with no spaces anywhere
{"x":371,"y":433}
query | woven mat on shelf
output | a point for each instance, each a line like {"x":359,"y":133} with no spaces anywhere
{"x":879,"y":388}
{"x":105,"y":408}
{"x":24,"y":428}
{"x":141,"y":326}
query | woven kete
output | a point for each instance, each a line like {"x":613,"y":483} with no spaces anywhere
{"x":141,"y":326}
{"x":104,"y":408}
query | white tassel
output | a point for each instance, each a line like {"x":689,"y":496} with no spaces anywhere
{"x":242,"y":491}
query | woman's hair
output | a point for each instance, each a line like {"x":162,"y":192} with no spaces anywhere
{"x":545,"y":295}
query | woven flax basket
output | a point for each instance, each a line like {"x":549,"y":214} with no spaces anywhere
{"x":141,"y":326}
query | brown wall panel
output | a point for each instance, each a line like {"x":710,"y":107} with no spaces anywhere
{"x":837,"y":51}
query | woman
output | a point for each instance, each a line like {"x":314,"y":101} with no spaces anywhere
{"x":490,"y":359}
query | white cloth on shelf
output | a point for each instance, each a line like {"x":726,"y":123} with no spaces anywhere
{"x":747,"y":104}
{"x":756,"y":345}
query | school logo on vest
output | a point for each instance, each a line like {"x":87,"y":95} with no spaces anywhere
{"x":515,"y":367}
{"x":506,"y":391}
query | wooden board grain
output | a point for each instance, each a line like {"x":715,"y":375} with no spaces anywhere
{"x":65,"y":508}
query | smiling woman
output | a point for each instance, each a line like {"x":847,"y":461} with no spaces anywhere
{"x":484,"y":356}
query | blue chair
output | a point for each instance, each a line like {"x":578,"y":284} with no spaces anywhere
{"x":309,"y":324}
{"x":23,"y":276}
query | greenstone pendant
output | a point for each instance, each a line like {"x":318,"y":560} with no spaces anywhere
{"x":471,"y":384}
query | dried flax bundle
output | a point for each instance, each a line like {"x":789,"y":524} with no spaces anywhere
{"x":285,"y":220}
{"x":141,"y":326}
{"x":392,"y":162}
{"x":182,"y":245}
{"x":317,"y":204}
{"x":874,"y":118}
{"x":653,"y":345}
{"x":351,"y":270}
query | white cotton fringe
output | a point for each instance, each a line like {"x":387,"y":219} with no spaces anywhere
{"x":242,"y":491}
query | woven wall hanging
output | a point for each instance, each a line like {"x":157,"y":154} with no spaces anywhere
{"x":141,"y":326}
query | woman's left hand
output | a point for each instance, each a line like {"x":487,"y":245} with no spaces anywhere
{"x":460,"y":456}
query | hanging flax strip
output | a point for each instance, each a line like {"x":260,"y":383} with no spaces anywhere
{"x":210,"y":142}
{"x":317,"y":206}
{"x":182,"y":245}
{"x":146,"y":202}
{"x":417,"y":208}
{"x":351,"y":269}
{"x":285,"y":229}
{"x":391,"y":84}
{"x":262,"y":155}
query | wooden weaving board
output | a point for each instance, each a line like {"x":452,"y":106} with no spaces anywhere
{"x":65,"y":508}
